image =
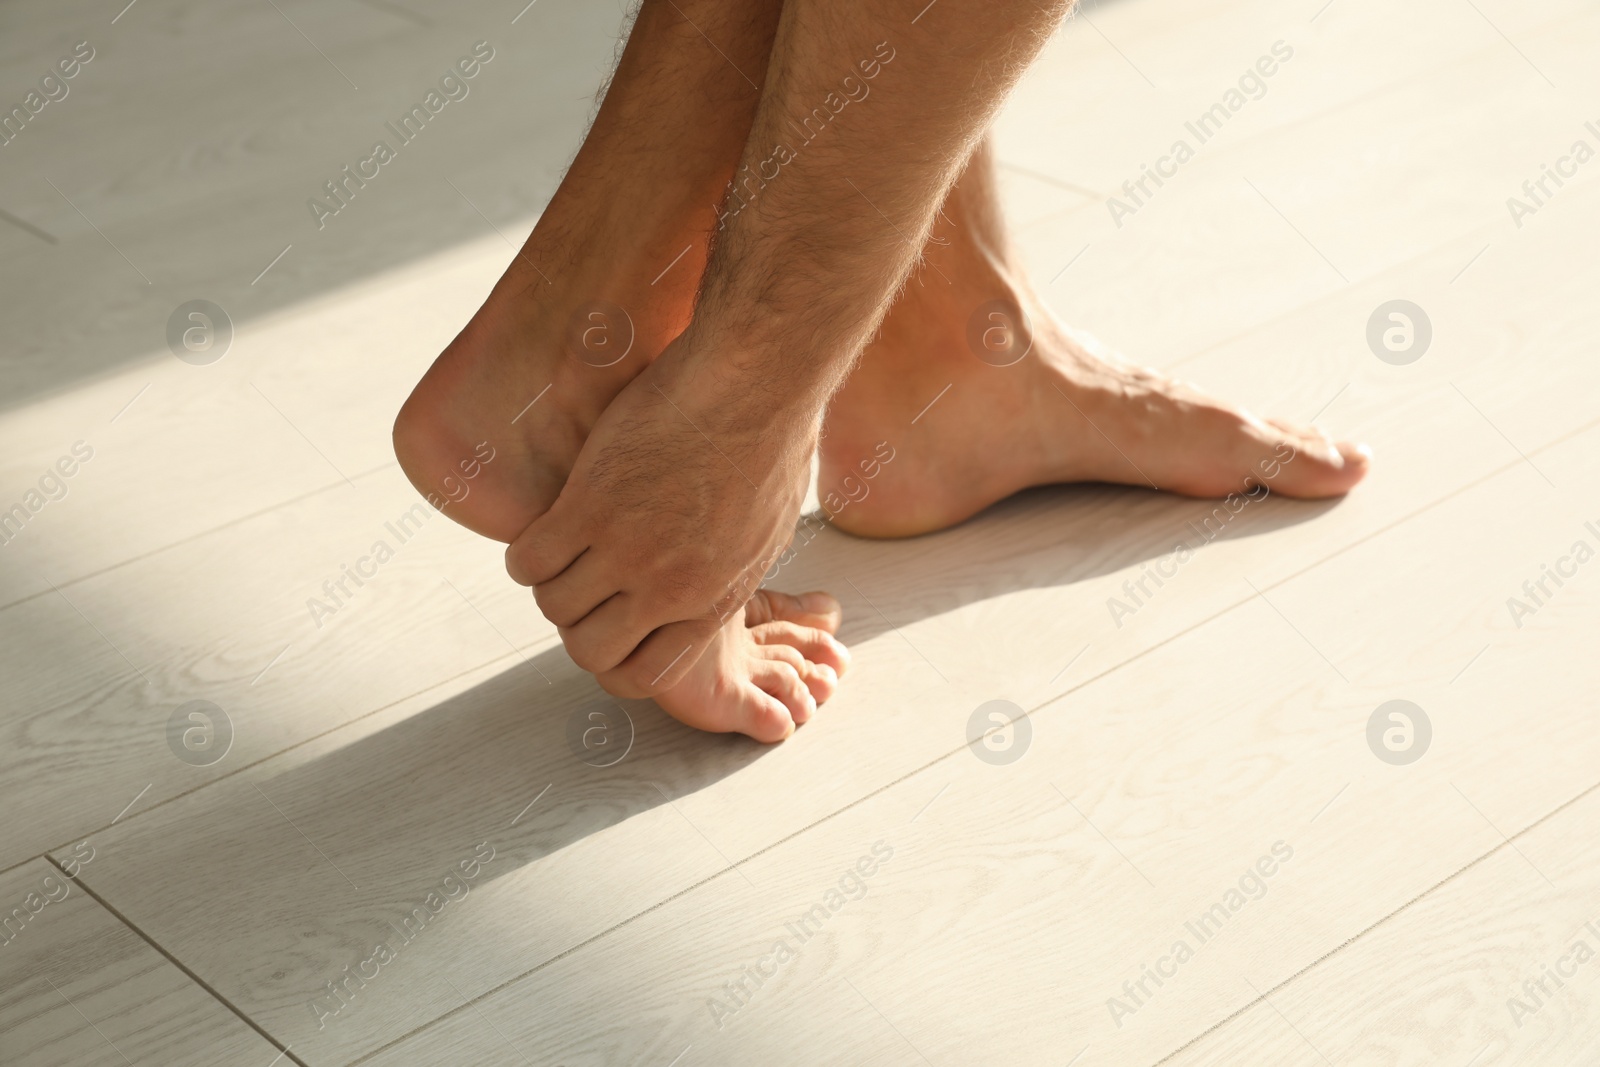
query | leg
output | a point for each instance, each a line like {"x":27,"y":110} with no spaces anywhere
{"x":1042,"y":405}
{"x":689,"y":482}
{"x":641,"y":190}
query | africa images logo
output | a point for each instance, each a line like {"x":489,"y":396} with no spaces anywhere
{"x":452,"y":86}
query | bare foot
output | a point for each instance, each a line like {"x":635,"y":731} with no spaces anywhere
{"x":764,"y":674}
{"x":764,"y":671}
{"x":491,"y":431}
{"x":684,"y":493}
{"x":1018,"y":399}
{"x":604,"y":283}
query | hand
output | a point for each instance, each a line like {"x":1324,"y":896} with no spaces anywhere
{"x":685,"y":492}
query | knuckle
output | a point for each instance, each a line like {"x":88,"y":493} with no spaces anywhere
{"x":552,"y":607}
{"x":524,"y":562}
{"x":618,"y":685}
{"x":645,"y":679}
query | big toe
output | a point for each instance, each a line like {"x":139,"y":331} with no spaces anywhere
{"x":815,"y":609}
{"x":1311,"y":464}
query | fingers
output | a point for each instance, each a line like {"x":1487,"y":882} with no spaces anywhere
{"x":658,"y":663}
{"x":820,"y":610}
{"x":604,"y":637}
{"x":545,"y":549}
{"x":570,"y":596}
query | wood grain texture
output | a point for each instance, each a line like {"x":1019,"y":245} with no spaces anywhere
{"x":375,"y":754}
{"x":1021,"y":898}
{"x":1444,"y":980}
{"x":223,"y":617}
{"x":80,"y":989}
{"x":974,"y":640}
{"x":195,"y":137}
{"x":1215,"y":251}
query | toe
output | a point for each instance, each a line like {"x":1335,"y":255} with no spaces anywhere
{"x":815,"y":609}
{"x":1358,"y":456}
{"x":762,"y":716}
{"x":814,"y":644}
{"x":782,"y":681}
{"x":1314,"y":465}
{"x":821,"y":679}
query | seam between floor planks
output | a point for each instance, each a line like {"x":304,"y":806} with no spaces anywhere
{"x":283,"y":1050}
{"x":314,"y":492}
{"x":517,"y":653}
{"x":1028,"y":714}
{"x":1509,"y":842}
{"x":1256,"y":137}
{"x":1264,"y":136}
{"x":1496,"y":472}
{"x":1328,"y":297}
{"x":269,"y":509}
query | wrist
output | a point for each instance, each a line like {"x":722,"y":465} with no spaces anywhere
{"x":742,"y":388}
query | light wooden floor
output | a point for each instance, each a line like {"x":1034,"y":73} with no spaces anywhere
{"x":156,"y":911}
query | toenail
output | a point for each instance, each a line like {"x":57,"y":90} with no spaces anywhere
{"x":818,"y":603}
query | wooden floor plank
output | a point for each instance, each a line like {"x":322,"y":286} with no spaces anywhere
{"x":895,"y":716}
{"x":1280,"y":210}
{"x":79,"y":988}
{"x":1019,"y":899}
{"x":376,"y":750}
{"x":196,"y":136}
{"x":241,"y":636}
{"x":1492,"y":968}
{"x":914,"y":717}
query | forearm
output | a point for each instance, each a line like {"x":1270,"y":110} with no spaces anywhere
{"x":866,"y":121}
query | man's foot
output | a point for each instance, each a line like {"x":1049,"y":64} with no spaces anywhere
{"x":767,"y":668}
{"x":491,"y":431}
{"x":684,"y":494}
{"x":765,"y":673}
{"x":606,"y":280}
{"x":981,"y":392}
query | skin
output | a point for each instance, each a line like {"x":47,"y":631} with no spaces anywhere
{"x":1044,"y":404}
{"x":658,"y":530}
{"x":646,"y":498}
{"x":643,"y":187}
